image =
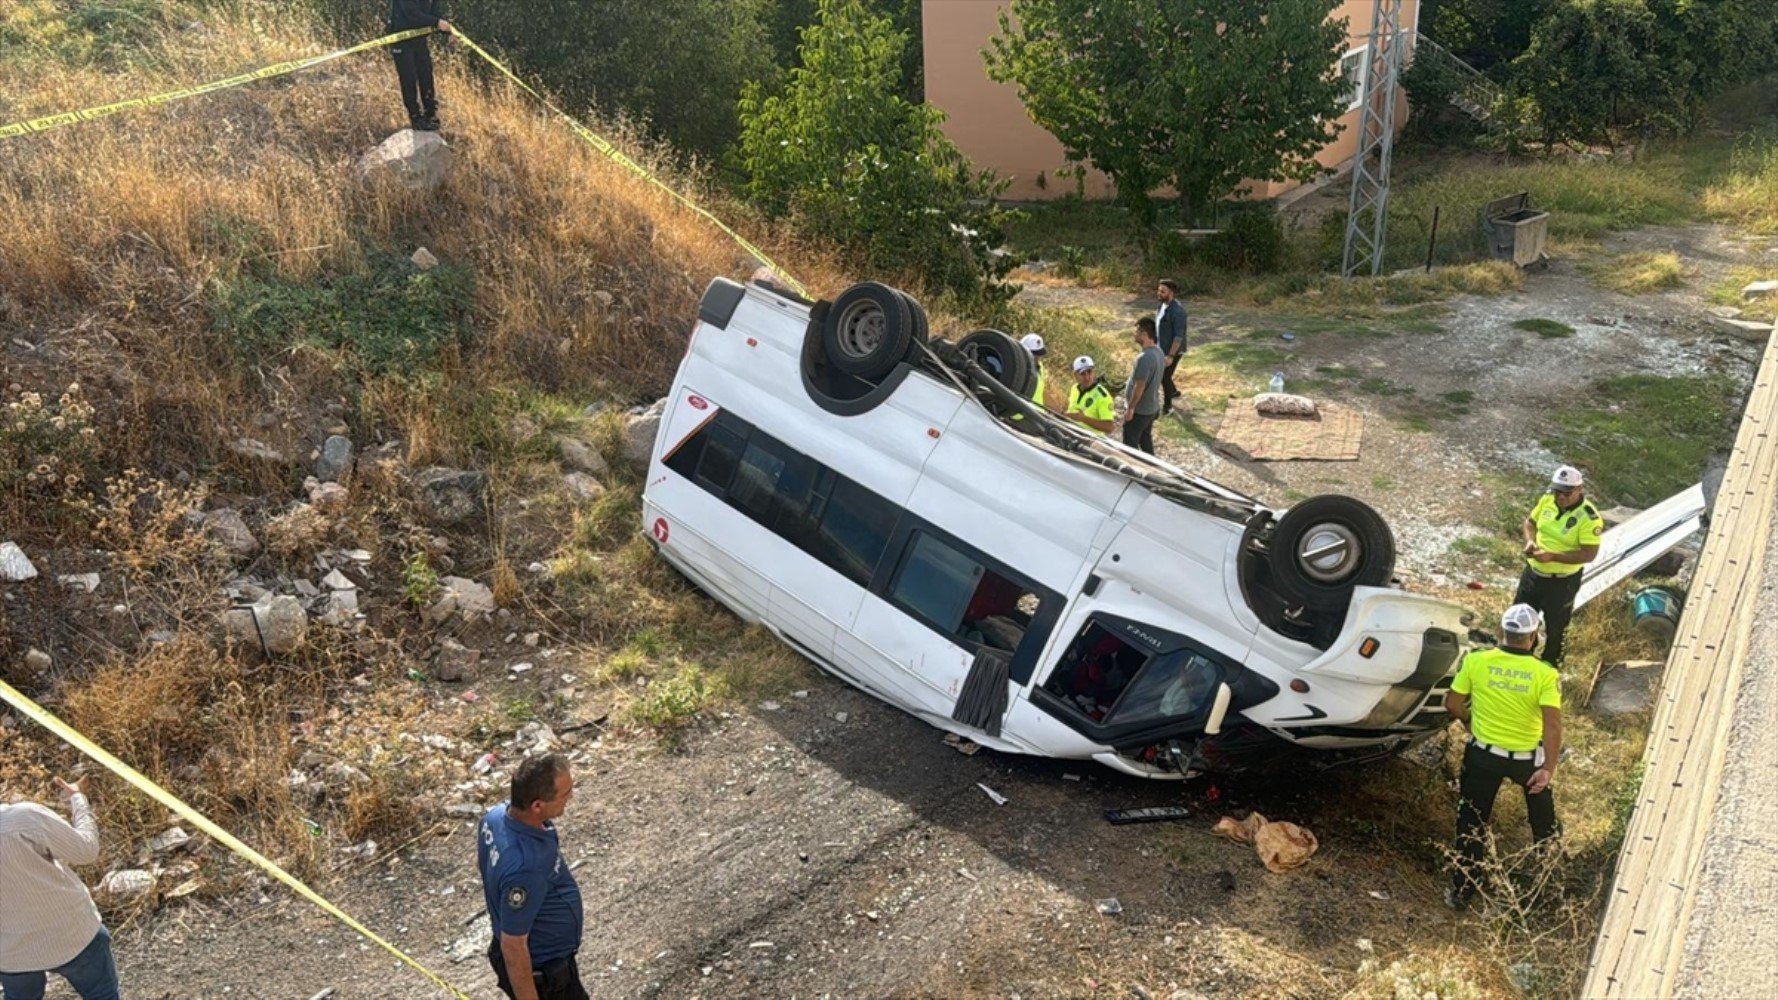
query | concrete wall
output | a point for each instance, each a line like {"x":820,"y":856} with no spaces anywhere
{"x":988,"y":122}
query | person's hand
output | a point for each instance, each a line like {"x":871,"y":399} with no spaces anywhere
{"x":67,"y":791}
{"x":444,"y":26}
{"x":1530,"y":547}
{"x":1540,"y":780}
{"x":1543,"y":555}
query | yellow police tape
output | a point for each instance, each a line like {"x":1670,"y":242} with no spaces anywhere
{"x":49,"y":122}
{"x":611,"y":152}
{"x":43,"y":718}
{"x":617,"y":156}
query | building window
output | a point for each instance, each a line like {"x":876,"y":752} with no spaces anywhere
{"x":1352,"y":70}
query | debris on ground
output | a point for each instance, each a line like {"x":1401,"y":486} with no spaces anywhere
{"x":1151,"y":814}
{"x":961,"y":745}
{"x":14,"y":566}
{"x":1110,"y":907}
{"x":998,"y":798}
{"x":1281,"y":846}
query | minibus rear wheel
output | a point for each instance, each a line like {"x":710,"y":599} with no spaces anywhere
{"x":1002,"y":357}
{"x":1327,"y":545}
{"x":869,"y":330}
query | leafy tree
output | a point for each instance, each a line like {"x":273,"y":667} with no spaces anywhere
{"x":1484,"y":33}
{"x":787,"y":19}
{"x":1194,"y":95}
{"x":855,"y":162}
{"x":1597,"y":66}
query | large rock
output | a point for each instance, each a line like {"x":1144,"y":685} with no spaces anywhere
{"x":276,"y":624}
{"x":640,"y":430}
{"x":583,"y":486}
{"x":1760,"y":290}
{"x":467,"y":596}
{"x":456,"y":662}
{"x":14,"y":565}
{"x":418,"y":161}
{"x":451,"y":496}
{"x":226,"y":528}
{"x":336,"y":460}
{"x":579,"y":456}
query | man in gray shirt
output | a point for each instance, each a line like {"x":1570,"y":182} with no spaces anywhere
{"x":1143,"y":394}
{"x":47,"y":920}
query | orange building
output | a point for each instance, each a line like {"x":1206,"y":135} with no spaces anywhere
{"x":988,"y":122}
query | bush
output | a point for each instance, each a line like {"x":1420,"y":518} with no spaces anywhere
{"x":390,"y":318}
{"x":1252,"y":243}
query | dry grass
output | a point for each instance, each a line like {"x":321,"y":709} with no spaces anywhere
{"x":1639,"y":273}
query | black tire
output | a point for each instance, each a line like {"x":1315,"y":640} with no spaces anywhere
{"x":868,"y":331}
{"x":1004,"y":358}
{"x":1327,"y":545}
{"x":922,"y":329}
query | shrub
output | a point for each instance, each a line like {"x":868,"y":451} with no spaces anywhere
{"x":48,"y":452}
{"x":1252,"y":243}
{"x":389,"y":317}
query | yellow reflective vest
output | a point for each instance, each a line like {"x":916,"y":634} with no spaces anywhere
{"x":1094,"y":404}
{"x":1564,"y":531}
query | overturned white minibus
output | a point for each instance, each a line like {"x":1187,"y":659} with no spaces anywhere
{"x":898,"y":511}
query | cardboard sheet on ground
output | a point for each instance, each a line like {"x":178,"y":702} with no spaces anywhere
{"x":1332,"y":435}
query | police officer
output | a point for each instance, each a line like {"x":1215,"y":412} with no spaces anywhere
{"x":1561,"y":537}
{"x":1089,"y":402}
{"x":532,"y":899}
{"x":1511,"y":701}
{"x":413,"y":58}
{"x":1034,"y":343}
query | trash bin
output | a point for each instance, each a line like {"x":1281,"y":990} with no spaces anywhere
{"x":1515,"y":230}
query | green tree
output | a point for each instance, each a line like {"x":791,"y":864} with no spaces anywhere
{"x":1194,"y":95}
{"x":853,"y":161}
{"x":1596,"y":67}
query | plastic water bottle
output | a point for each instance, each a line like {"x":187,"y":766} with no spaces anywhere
{"x":1277,"y":382}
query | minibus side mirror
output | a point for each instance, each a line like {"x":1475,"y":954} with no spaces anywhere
{"x":1221,"y":708}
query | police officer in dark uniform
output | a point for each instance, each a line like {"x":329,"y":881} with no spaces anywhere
{"x":413,"y":58}
{"x":533,"y":902}
{"x":1561,"y":537}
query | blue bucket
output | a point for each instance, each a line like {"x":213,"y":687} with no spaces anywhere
{"x":1655,"y":611}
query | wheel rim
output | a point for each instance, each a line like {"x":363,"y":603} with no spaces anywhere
{"x":1329,"y":553}
{"x":991,"y":362}
{"x":862,"y":329}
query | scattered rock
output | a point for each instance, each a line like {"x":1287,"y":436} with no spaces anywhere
{"x":583,"y":486}
{"x":126,"y":885}
{"x":170,"y":841}
{"x":472,"y":598}
{"x":13,"y":564}
{"x":418,"y":161}
{"x":257,"y":450}
{"x":340,"y":776}
{"x":342,"y":607}
{"x":276,"y":624}
{"x":306,"y":589}
{"x":441,"y":609}
{"x":338,"y":581}
{"x":37,"y":661}
{"x":328,"y":496}
{"x":84,"y":582}
{"x":456,"y":662}
{"x":474,"y":943}
{"x":1725,"y":312}
{"x":1759,"y":290}
{"x":532,"y":639}
{"x":640,"y":429}
{"x":464,"y":810}
{"x":227,"y":528}
{"x":579,"y":456}
{"x":424,"y":260}
{"x":336,"y":460}
{"x":451,"y":496}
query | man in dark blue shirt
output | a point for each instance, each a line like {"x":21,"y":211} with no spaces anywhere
{"x":413,"y":58}
{"x":1170,"y":324}
{"x":532,"y":899}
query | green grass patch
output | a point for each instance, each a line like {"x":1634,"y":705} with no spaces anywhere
{"x":1500,"y":553}
{"x":389,"y":317}
{"x":1727,"y":292}
{"x":1642,"y":438}
{"x":1638,"y":273}
{"x":1547,"y":328}
{"x":1748,"y":195}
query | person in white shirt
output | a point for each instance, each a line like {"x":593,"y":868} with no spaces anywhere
{"x":48,"y":922}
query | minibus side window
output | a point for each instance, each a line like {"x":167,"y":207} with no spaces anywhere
{"x":854,"y":531}
{"x":721,"y":456}
{"x":960,"y":597}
